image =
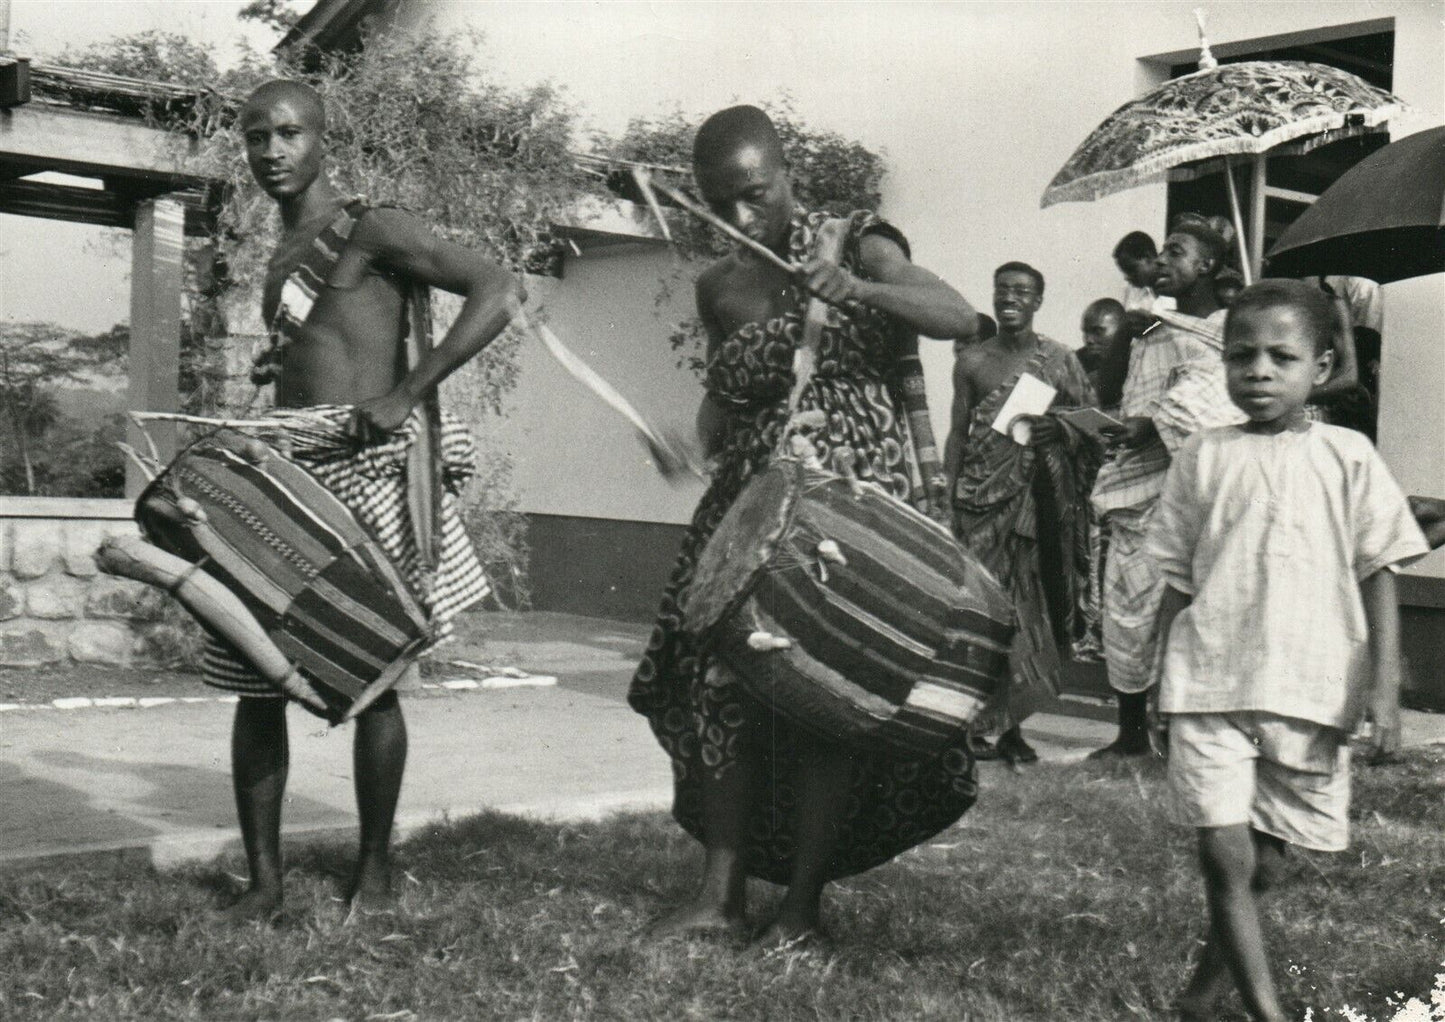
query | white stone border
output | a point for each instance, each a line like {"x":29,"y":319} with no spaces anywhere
{"x":149,"y":702}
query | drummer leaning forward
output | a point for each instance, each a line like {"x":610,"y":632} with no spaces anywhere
{"x":337,"y":294}
{"x":766,"y":799}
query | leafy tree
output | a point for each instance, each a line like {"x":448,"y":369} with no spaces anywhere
{"x":829,"y":173}
{"x":278,"y":15}
{"x":153,"y":55}
{"x":45,"y":452}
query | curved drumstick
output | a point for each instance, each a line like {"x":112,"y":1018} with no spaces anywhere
{"x":672,"y":457}
{"x":700,"y":211}
{"x":212,"y":604}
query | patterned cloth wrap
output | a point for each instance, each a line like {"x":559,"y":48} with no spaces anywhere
{"x":371,"y":482}
{"x":697,"y":710}
{"x":1024,"y":512}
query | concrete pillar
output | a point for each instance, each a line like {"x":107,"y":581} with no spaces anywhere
{"x":157,"y":255}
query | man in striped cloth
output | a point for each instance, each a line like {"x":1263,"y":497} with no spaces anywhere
{"x":337,"y":296}
{"x":1175,"y":387}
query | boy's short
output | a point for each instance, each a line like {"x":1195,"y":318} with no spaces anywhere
{"x":1285,"y":777}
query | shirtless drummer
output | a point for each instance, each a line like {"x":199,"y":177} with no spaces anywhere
{"x":342,"y":345}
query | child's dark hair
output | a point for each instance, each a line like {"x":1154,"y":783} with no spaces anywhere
{"x":1312,"y":304}
{"x":1135,"y":245}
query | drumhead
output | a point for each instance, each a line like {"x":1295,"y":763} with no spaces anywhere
{"x":743,"y":545}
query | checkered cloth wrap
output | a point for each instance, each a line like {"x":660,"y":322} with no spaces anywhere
{"x":1176,"y":378}
{"x":371,"y":481}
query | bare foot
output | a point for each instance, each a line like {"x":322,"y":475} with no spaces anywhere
{"x":698,"y":918}
{"x":371,"y":890}
{"x":258,"y":905}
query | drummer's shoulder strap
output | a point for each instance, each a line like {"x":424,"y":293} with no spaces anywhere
{"x":423,"y":465}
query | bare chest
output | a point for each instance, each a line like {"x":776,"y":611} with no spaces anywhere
{"x":752,"y":293}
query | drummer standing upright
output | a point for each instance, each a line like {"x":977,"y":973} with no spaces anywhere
{"x":336,"y":295}
{"x":765,"y":799}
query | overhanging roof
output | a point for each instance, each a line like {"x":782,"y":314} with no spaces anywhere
{"x":74,"y":125}
{"x":334,"y":26}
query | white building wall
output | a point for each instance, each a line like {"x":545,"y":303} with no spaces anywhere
{"x":976,"y":106}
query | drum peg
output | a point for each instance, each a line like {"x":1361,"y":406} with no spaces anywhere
{"x":254,"y":451}
{"x":828,"y":550}
{"x":844,"y":460}
{"x":191,"y":509}
{"x":766,"y":642}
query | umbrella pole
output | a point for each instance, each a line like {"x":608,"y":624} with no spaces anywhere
{"x":1245,"y":266}
{"x":1256,"y":215}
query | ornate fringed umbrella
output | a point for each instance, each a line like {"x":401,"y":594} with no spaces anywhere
{"x":1253,"y":109}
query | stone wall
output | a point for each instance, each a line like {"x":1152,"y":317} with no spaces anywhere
{"x":56,"y":606}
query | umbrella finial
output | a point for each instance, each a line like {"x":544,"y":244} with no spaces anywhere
{"x":1206,"y":58}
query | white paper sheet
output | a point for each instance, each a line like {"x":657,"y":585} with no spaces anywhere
{"x":1030,"y":396}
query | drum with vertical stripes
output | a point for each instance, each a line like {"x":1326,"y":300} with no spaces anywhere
{"x":850,"y":613}
{"x":316,"y":581}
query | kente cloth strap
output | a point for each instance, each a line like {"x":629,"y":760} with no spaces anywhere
{"x":905,"y":380}
{"x":302,"y":285}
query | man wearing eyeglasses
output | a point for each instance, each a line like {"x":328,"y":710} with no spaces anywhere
{"x":1020,"y":493}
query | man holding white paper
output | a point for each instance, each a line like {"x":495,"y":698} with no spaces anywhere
{"x":1021,"y":485}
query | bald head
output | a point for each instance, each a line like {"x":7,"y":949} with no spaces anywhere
{"x":737,"y":127}
{"x":1104,"y":308}
{"x":284,"y":124}
{"x":737,"y":161}
{"x":302,"y":98}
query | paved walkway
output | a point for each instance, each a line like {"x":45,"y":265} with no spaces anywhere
{"x":158,"y":778}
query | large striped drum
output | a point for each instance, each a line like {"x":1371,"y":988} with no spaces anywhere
{"x":315,"y":579}
{"x":849,"y":612}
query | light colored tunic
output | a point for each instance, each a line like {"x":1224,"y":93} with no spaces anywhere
{"x":1271,"y":536}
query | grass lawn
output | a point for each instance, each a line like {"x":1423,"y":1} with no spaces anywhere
{"x":1065,"y":896}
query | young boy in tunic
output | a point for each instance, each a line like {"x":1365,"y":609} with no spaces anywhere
{"x":1279,"y":626}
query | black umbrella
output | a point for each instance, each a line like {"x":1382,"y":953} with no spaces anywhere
{"x":1384,"y":219}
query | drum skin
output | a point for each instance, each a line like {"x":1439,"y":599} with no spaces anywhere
{"x":893,"y":637}
{"x":314,"y":578}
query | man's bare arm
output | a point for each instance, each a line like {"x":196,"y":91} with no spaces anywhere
{"x":403,"y":245}
{"x":711,"y":417}
{"x":960,"y":417}
{"x":917,"y":297}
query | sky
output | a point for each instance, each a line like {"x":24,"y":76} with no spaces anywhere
{"x":45,"y":26}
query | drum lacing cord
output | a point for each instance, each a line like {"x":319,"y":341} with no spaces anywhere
{"x":185,"y":576}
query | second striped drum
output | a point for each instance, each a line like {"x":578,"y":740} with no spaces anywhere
{"x":849,"y":612}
